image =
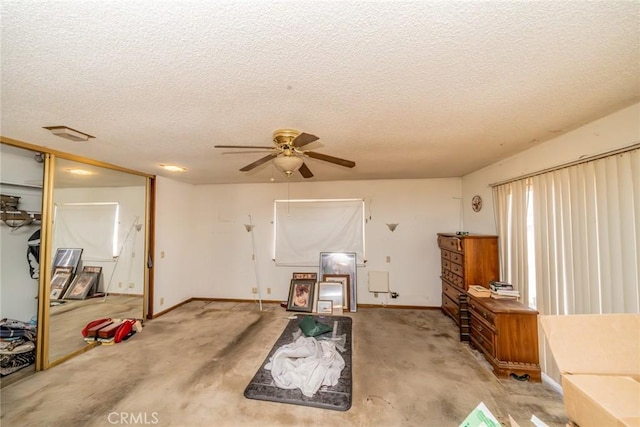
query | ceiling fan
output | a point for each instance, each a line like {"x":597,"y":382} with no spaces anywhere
{"x":287,"y":154}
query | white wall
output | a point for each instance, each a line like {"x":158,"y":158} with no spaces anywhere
{"x":176,"y":269}
{"x":217,"y":258}
{"x":614,"y":131}
{"x":18,"y":291}
{"x":129,"y":269}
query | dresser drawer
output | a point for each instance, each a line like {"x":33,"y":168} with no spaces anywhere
{"x":451,"y":308}
{"x":483,"y":343}
{"x":483,"y":313}
{"x":446,"y":254}
{"x":453,"y":278}
{"x":453,"y":244}
{"x":481,"y":327}
{"x":457,"y":268}
{"x":451,"y":291}
{"x":457,"y":258}
{"x":446,"y":265}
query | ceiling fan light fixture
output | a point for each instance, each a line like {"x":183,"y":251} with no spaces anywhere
{"x":288,"y":164}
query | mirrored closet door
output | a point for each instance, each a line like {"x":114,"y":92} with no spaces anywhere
{"x":75,"y":239}
{"x":98,"y":251}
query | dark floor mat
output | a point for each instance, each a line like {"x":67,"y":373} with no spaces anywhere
{"x":337,"y":397}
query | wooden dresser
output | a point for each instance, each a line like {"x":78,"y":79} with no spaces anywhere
{"x":465,"y":260}
{"x":506,"y":332}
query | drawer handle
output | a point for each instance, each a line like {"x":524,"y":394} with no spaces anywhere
{"x":480,"y":328}
{"x":485,"y":315}
{"x":473,"y":306}
{"x":480,"y":340}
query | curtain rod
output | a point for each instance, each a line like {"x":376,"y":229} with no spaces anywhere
{"x":631,"y":147}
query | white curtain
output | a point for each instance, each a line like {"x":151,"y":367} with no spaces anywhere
{"x":587,"y":228}
{"x":90,"y":226}
{"x":304,"y":228}
{"x":511,"y":219}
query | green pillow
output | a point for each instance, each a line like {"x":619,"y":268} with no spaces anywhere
{"x":311,"y":327}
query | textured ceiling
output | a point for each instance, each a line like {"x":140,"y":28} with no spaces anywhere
{"x":404,"y":89}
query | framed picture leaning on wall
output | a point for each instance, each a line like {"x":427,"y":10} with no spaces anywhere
{"x":59,"y":283}
{"x":82,"y":284}
{"x":344,"y":280}
{"x":301,"y":294}
{"x":67,"y":257}
{"x":341,"y":263}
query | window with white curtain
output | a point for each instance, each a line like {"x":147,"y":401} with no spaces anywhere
{"x":304,"y":228}
{"x":570,"y":238}
{"x":90,"y":226}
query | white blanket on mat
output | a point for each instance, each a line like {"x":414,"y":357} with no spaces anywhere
{"x":306,"y":364}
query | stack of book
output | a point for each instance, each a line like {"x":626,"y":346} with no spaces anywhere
{"x":479,"y":291}
{"x":503,"y":290}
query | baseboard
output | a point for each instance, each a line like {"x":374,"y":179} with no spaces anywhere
{"x":404,"y":307}
{"x":551,"y":383}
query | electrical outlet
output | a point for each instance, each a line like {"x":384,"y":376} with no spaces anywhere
{"x":254,"y":290}
{"x":161,"y":301}
{"x":119,"y":284}
{"x":388,"y":258}
{"x":268,"y":291}
{"x":132,"y":285}
{"x":375,"y":295}
{"x":161,"y":254}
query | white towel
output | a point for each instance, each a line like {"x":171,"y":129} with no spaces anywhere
{"x":306,"y":364}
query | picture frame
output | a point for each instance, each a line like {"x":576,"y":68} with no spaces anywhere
{"x":68,"y":257}
{"x":59,"y":284}
{"x":92,"y":269}
{"x":342,"y":263}
{"x":305,"y":276}
{"x":344,"y":279}
{"x":61,"y":270}
{"x":301,"y":293}
{"x":331,"y":291}
{"x":324,"y":307}
{"x":82,"y":284}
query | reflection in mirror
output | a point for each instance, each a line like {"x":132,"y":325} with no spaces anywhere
{"x":21,"y":177}
{"x":98,"y":246}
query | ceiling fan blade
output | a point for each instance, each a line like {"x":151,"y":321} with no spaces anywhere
{"x":245,"y":146}
{"x":245,"y":152}
{"x":330,"y":159}
{"x":305,"y":171}
{"x":303,"y":139}
{"x":258,"y":162}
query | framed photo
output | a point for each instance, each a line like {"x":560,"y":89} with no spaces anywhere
{"x":301,"y":295}
{"x":344,"y":279}
{"x":67,"y":257}
{"x":325,"y":307}
{"x":306,"y":276}
{"x":91,"y":269}
{"x":341,"y":263}
{"x":82,"y":284}
{"x":59,"y":284}
{"x":61,"y":270}
{"x":331,"y":291}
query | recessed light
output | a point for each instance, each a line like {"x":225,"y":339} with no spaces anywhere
{"x":173,"y":168}
{"x":68,"y":133}
{"x":79,"y":172}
